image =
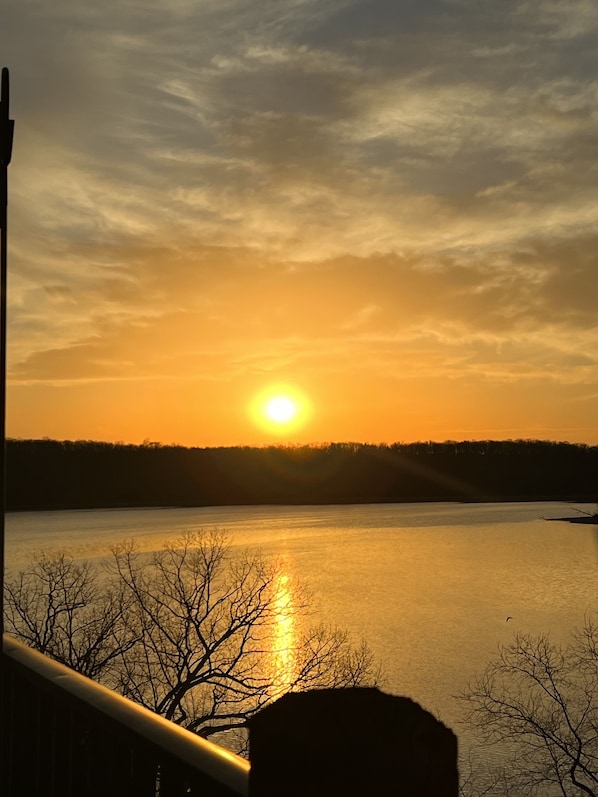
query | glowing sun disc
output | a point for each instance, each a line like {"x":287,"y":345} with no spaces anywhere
{"x":280,"y":409}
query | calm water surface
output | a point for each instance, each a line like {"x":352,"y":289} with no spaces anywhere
{"x":429,"y":586}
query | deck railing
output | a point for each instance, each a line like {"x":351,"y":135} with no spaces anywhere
{"x":63,"y":734}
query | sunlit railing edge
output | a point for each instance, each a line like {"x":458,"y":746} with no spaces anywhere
{"x":221,"y":765}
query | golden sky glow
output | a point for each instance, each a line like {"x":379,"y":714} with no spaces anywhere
{"x":390,"y":206}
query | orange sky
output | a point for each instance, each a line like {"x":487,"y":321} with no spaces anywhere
{"x":388,"y":207}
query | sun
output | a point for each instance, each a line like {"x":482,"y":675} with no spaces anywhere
{"x":280,"y":409}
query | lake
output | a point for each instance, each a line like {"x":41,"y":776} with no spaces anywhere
{"x":429,"y":586}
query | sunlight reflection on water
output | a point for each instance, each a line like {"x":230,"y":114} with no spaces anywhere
{"x":428,"y":586}
{"x":284,"y":659}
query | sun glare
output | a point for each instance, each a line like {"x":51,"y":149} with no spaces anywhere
{"x":280,"y":410}
{"x":284,"y":643}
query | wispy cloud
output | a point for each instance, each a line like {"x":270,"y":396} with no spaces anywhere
{"x":330,"y":185}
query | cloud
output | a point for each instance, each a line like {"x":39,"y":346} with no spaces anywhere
{"x":226,"y":312}
{"x":228,"y":187}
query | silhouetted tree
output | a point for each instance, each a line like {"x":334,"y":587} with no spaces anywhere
{"x":62,"y":608}
{"x":541,"y":698}
{"x":196,"y":632}
{"x":50,"y":474}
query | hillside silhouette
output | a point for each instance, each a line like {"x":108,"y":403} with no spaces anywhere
{"x":51,"y":474}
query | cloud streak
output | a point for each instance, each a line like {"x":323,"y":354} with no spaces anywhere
{"x":335,"y":187}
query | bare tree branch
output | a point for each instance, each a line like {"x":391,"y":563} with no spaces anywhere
{"x":193,"y":632}
{"x":543,"y":698}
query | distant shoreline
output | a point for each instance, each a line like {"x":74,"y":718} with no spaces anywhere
{"x":43,"y":475}
{"x":151,"y":507}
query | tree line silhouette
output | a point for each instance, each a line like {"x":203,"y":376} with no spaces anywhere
{"x":52,"y":474}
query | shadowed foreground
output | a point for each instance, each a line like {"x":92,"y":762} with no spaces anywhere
{"x":62,"y":734}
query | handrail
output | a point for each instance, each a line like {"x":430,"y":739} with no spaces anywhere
{"x":224,"y":767}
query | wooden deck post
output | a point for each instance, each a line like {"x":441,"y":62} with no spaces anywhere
{"x":350,"y":743}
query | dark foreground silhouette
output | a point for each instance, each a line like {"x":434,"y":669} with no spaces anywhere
{"x":50,"y":474}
